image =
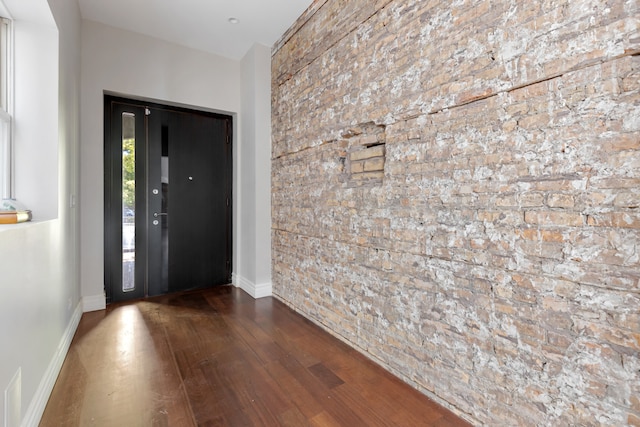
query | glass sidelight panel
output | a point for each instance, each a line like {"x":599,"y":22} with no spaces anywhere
{"x":164,"y":178}
{"x":128,"y":201}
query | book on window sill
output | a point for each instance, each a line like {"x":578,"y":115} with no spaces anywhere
{"x":14,"y":217}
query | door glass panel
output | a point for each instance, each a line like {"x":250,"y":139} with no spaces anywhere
{"x":128,"y":202}
{"x":164,"y":178}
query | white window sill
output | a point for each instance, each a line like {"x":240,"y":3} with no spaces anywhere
{"x":22,"y":225}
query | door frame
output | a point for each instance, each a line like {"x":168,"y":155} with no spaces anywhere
{"x":111,"y":245}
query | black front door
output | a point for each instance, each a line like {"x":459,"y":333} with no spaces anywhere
{"x":168,"y":183}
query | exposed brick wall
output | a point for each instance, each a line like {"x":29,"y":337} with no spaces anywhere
{"x":495,"y":264}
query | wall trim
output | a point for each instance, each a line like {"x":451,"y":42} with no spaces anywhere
{"x":41,"y":397}
{"x":234,"y":280}
{"x":93,"y":303}
{"x":259,"y":290}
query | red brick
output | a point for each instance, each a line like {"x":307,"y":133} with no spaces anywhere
{"x":554,"y":218}
{"x":615,"y":219}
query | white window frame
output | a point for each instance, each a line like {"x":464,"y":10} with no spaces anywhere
{"x":6,"y":109}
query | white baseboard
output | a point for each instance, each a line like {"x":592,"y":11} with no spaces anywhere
{"x":36,"y":407}
{"x":263,"y":290}
{"x":259,"y":290}
{"x":94,"y":303}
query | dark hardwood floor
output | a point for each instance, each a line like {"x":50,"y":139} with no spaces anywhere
{"x":220,"y":358}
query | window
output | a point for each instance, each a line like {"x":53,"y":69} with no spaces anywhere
{"x":6,"y":155}
{"x":30,"y":131}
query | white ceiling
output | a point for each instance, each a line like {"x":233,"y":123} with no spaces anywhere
{"x":201,"y":24}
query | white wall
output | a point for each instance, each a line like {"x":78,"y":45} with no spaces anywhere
{"x":254,"y":268}
{"x":134,"y":65}
{"x":39,"y":306}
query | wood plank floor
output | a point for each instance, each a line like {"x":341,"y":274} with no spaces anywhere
{"x":220,"y":358}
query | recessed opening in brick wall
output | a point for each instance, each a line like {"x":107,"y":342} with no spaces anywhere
{"x":366,"y":156}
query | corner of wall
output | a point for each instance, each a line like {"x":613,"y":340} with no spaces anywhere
{"x":94,"y":303}
{"x":256,"y":290}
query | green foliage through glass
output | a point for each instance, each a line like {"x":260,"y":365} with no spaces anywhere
{"x":128,"y":173}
